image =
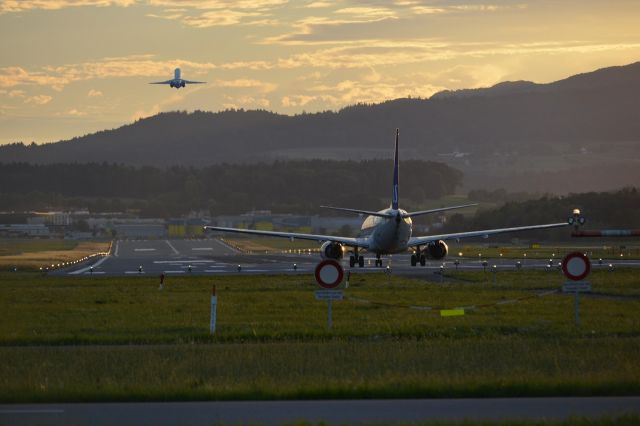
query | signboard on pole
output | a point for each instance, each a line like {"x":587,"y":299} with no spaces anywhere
{"x":576,"y":286}
{"x":576,"y":266}
{"x":329,"y":295}
{"x":329,"y":274}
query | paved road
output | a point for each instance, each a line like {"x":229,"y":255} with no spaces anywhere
{"x":334,"y":412}
{"x":213,"y":257}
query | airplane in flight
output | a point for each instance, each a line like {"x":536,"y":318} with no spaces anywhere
{"x":177,"y":81}
{"x":387,"y":231}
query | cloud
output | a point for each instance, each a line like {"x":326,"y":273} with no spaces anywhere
{"x":16,"y":94}
{"x":214,"y":13}
{"x":57,"y":77}
{"x":247,"y":83}
{"x":318,"y":5}
{"x":74,"y":113}
{"x":94,"y":93}
{"x":38,"y":100}
{"x":15,"y":76}
{"x":247,"y":102}
{"x":7,"y":6}
{"x":296,"y":100}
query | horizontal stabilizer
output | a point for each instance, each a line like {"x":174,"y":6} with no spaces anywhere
{"x":369,"y":213}
{"x":442,"y":209}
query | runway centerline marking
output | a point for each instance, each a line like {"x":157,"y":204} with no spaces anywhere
{"x":115,"y":251}
{"x":202,"y":248}
{"x":144,"y":249}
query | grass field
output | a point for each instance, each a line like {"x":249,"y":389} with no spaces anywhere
{"x":32,"y":254}
{"x":122,"y":339}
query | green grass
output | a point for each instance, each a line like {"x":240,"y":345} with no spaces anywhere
{"x":371,"y":368}
{"x":94,"y":338}
{"x":38,"y":309}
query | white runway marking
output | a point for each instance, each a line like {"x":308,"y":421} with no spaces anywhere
{"x":144,"y":249}
{"x":174,"y":272}
{"x":95,"y":265}
{"x":115,"y":251}
{"x":203,"y":248}
{"x":95,"y":273}
{"x":134,"y":272}
{"x":172,"y":247}
{"x":176,"y":262}
{"x":225,"y":245}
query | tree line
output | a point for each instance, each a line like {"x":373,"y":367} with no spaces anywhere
{"x":281,"y":186}
{"x":602,"y":210}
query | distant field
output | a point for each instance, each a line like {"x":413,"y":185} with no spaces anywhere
{"x":62,"y":338}
{"x":33,"y":254}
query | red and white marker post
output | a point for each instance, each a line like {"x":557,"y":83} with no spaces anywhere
{"x":576,"y":266}
{"x":329,"y":274}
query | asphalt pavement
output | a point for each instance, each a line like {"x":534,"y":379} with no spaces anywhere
{"x":329,"y":411}
{"x":214,"y":257}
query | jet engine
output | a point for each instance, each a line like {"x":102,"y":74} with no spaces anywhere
{"x":331,"y":250}
{"x":437,"y":250}
{"x":182,"y":84}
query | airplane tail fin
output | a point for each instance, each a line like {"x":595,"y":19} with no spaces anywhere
{"x":176,"y":73}
{"x":394,"y":200}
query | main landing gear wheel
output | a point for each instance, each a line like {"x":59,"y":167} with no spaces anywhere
{"x":414,"y":261}
{"x":353,"y":260}
{"x":423,"y":260}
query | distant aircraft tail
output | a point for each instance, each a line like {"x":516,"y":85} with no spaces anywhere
{"x":176,"y":74}
{"x":394,"y":199}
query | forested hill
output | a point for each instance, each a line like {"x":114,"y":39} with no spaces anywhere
{"x":602,"y":107}
{"x":283,"y":187}
{"x":603,"y":210}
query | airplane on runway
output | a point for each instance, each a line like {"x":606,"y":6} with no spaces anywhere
{"x":177,"y":81}
{"x":387,"y":231}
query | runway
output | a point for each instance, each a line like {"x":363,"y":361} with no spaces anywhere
{"x":331,"y":411}
{"x":214,"y":257}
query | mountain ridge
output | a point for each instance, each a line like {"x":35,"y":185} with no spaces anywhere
{"x":594,"y":112}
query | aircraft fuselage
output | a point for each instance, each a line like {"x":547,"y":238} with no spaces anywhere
{"x":387,"y":235}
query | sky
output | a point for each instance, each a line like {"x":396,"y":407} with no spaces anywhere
{"x":72,"y":67}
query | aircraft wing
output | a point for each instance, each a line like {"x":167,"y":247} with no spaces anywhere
{"x":162,"y":82}
{"x":347,"y":241}
{"x":418,"y":241}
{"x":194,"y":82}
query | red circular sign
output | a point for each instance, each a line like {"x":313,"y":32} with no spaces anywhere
{"x":576,"y":266}
{"x":329,"y":273}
